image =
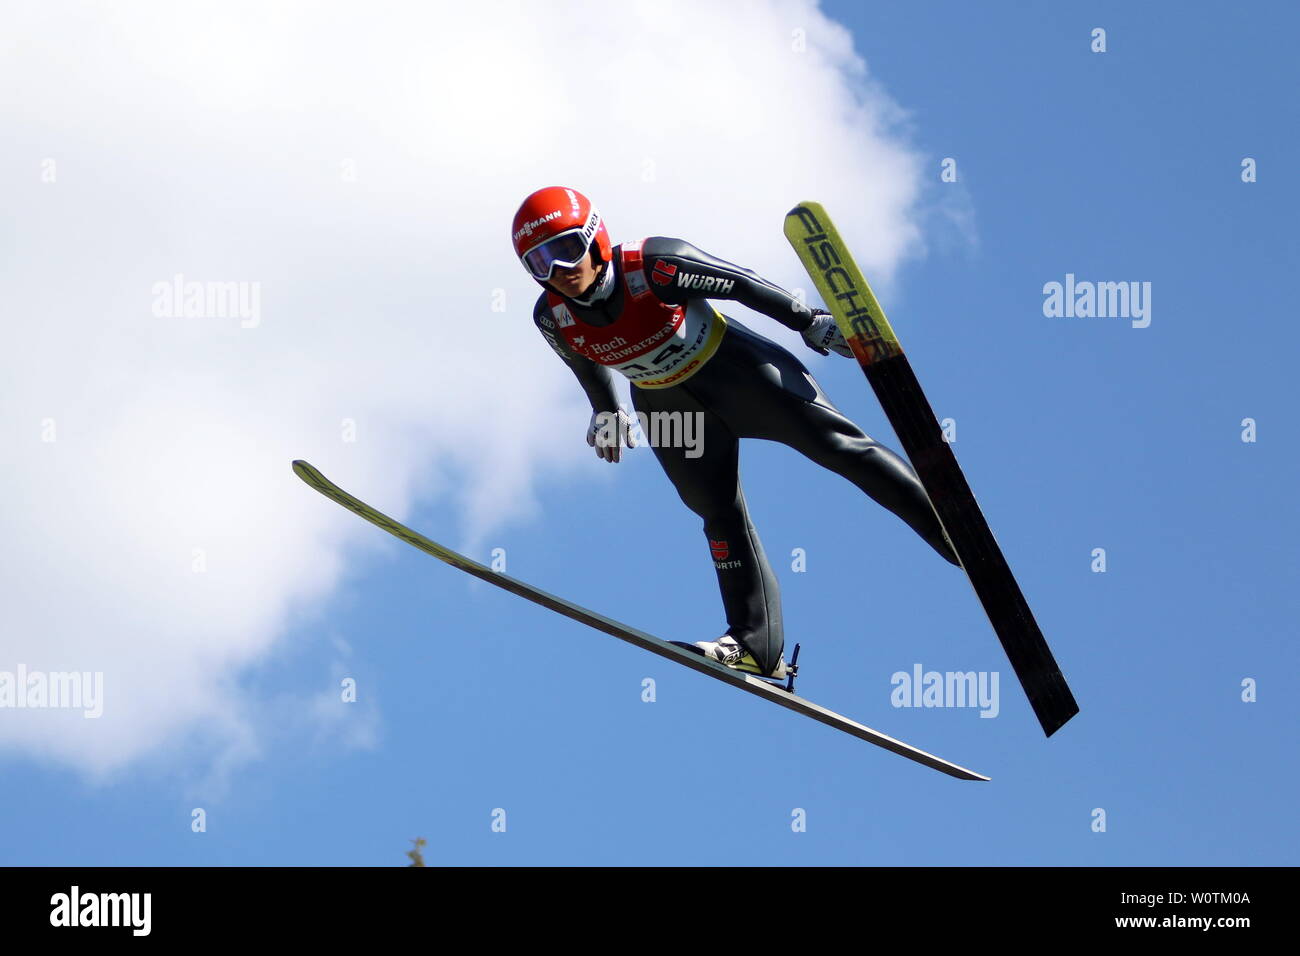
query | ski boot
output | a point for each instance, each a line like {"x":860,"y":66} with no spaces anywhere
{"x":727,"y":650}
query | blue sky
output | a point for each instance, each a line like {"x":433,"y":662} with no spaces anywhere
{"x":1075,"y":434}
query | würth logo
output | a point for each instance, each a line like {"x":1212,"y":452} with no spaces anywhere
{"x":705,"y":283}
{"x":663,"y":273}
{"x":720,"y":549}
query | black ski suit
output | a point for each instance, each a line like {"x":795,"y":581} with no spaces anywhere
{"x":748,"y":387}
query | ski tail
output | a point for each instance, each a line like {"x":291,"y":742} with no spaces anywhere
{"x":860,"y":318}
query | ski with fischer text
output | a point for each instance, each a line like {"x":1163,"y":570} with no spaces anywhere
{"x":863,"y":323}
{"x":754,"y":685}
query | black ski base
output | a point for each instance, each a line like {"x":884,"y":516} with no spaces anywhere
{"x":918,"y":429}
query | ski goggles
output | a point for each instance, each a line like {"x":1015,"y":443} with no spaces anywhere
{"x":564,"y":251}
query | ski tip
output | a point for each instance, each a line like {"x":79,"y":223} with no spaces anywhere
{"x":309,"y":473}
{"x":807,"y":206}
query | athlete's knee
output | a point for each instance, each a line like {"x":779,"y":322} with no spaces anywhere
{"x":708,"y":506}
{"x":717,"y":509}
{"x":724,"y":525}
{"x":864,"y":461}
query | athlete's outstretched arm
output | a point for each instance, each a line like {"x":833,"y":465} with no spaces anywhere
{"x":678,"y":271}
{"x":596,"y":380}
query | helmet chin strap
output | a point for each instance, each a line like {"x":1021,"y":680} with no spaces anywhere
{"x":600,"y":287}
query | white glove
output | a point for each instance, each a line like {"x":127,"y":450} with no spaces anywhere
{"x":824,"y":335}
{"x":609,"y":431}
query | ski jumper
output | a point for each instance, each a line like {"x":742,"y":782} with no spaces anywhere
{"x":657,"y":327}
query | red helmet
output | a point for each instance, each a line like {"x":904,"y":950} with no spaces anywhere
{"x":555,"y":226}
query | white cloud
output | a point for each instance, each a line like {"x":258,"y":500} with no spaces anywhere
{"x":209,"y":140}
